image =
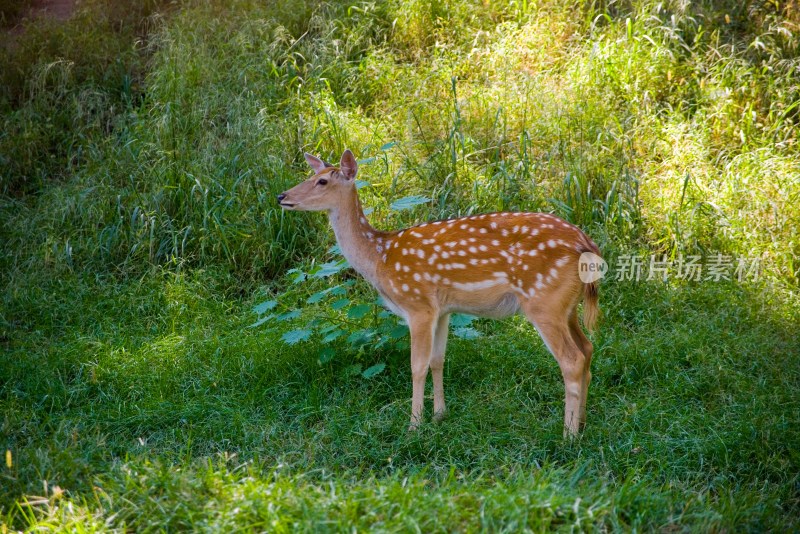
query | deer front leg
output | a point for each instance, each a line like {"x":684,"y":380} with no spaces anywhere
{"x":421,"y":326}
{"x":437,"y":366}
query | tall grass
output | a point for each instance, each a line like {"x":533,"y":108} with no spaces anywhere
{"x":649,"y":123}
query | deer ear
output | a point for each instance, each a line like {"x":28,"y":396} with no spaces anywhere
{"x":317,"y":164}
{"x":348,"y":165}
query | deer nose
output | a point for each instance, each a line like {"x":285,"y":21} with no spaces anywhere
{"x":281,"y":197}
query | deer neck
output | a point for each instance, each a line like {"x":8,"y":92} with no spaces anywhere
{"x":360,"y":243}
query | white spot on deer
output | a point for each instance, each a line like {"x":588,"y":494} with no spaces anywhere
{"x":473,"y":261}
{"x":446,"y":281}
{"x":432,"y":258}
{"x":541,"y":245}
{"x":420,"y":254}
{"x":535,"y":231}
{"x":474,"y":250}
{"x":495,"y":243}
{"x":396,"y":244}
{"x":416,"y":290}
{"x":459,"y":266}
{"x":437,"y":248}
{"x":397,"y":266}
{"x":516,"y":229}
{"x":379,"y":249}
{"x":401,"y":233}
{"x":406,"y":268}
{"x":462,"y":253}
{"x":533,"y":252}
{"x":445,"y":255}
{"x":363,"y":220}
{"x":483,"y":248}
{"x":415,"y":234}
{"x":405,"y":252}
{"x":473,"y":286}
{"x":524,"y":229}
{"x":435,"y":278}
{"x":500,"y":274}
{"x":493,"y":224}
{"x":504,"y":232}
{"x":563,"y":261}
{"x":463,"y":242}
{"x":553,"y":273}
{"x":483,"y":230}
{"x":405,"y":288}
{"x":551,"y":243}
{"x":463,"y":226}
{"x":539,"y":285}
{"x":525,"y":267}
{"x":417,"y":277}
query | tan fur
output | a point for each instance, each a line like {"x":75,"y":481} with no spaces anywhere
{"x":491,"y":265}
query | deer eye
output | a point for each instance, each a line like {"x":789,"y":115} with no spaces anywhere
{"x":322,"y":181}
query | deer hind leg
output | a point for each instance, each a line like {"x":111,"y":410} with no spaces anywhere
{"x":421,"y":326}
{"x":555,"y":332}
{"x":585,"y":346}
{"x":437,"y":366}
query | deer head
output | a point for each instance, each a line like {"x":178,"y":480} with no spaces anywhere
{"x":329,"y":188}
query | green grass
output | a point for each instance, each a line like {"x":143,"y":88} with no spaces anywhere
{"x":139,"y":163}
{"x":157,"y":408}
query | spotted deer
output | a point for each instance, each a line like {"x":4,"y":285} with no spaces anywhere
{"x":491,"y":265}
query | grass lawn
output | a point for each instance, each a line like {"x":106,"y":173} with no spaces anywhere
{"x":140,"y":159}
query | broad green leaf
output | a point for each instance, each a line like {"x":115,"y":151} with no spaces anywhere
{"x":335,"y":250}
{"x":361,"y":337}
{"x":318,"y":296}
{"x":398,"y":331}
{"x":330,"y":336}
{"x":376,"y":369}
{"x":338,"y":290}
{"x":407,"y":203}
{"x":296,"y":336}
{"x":461,"y":319}
{"x":368,"y":211}
{"x":297,"y":275}
{"x":328,"y":328}
{"x":467,"y":333}
{"x":388,"y":145}
{"x":326,"y":355}
{"x":359,"y":311}
{"x":262,"y":320}
{"x":265,"y":306}
{"x":287,"y":316}
{"x":339,"y":304}
{"x":330,"y":268}
{"x":363,"y":183}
